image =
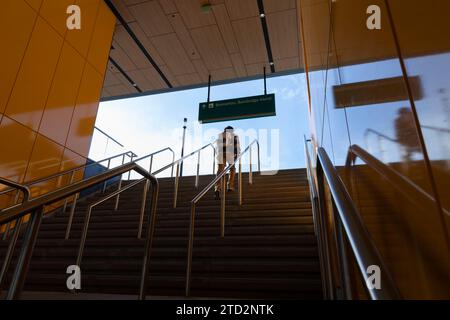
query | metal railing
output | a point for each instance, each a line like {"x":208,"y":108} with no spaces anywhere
{"x":117,"y":194}
{"x":35,"y":207}
{"x":220,"y":177}
{"x":346,"y":222}
{"x":177,"y":177}
{"x":119,"y":191}
{"x":72,"y":171}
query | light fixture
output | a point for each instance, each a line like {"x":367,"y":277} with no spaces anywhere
{"x":271,"y":63}
{"x":262,"y":15}
{"x":206,"y":8}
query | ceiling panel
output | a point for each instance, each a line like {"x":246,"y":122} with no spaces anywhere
{"x":132,"y":50}
{"x":211,"y":47}
{"x":184,"y":35}
{"x":192,"y":14}
{"x":225,"y":27}
{"x":240,"y":9}
{"x":238,"y":65}
{"x":188,"y":44}
{"x":250,"y":39}
{"x":283,"y":34}
{"x":173,"y":53}
{"x":151,"y":18}
{"x":271,"y":6}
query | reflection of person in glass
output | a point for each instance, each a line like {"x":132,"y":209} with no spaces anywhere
{"x":406,"y":134}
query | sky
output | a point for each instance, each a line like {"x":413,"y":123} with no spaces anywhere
{"x":150,"y":123}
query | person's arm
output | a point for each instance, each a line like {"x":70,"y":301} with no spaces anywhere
{"x":238,"y":146}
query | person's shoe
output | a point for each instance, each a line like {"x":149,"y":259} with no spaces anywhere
{"x":217,"y":195}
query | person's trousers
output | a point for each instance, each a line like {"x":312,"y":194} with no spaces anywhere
{"x":221,"y":167}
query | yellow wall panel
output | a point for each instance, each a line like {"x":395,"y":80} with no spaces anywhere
{"x":80,"y":39}
{"x":102,"y":38}
{"x":58,"y":111}
{"x":85,"y":112}
{"x":35,"y":4}
{"x":55,"y":13}
{"x":16,"y":24}
{"x":45,"y":160}
{"x":16,"y":143}
{"x":35,"y":76}
{"x":46,"y":85}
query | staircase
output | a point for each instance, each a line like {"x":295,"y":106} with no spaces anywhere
{"x":269,"y":249}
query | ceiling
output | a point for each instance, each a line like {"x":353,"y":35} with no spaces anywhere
{"x":163,"y":45}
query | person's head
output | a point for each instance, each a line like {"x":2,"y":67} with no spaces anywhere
{"x":228,"y":129}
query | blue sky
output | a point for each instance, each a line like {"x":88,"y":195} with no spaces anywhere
{"x":149,"y":123}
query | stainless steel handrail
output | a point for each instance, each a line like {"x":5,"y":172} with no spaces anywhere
{"x":35,"y":207}
{"x":202,"y":193}
{"x":118,"y":192}
{"x":59,"y":174}
{"x":348,"y":218}
{"x":26,"y":195}
{"x":322,"y":244}
{"x":177,"y":176}
{"x":74,"y":203}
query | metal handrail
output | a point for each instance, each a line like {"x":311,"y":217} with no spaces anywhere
{"x":17,"y":186}
{"x":202,"y":193}
{"x":130,"y":154}
{"x":177,"y":177}
{"x":348,"y":218}
{"x":74,"y":203}
{"x":408,"y":188}
{"x":35,"y":208}
{"x":118,"y":192}
{"x":318,"y":226}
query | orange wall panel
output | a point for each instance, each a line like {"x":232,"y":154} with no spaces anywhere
{"x":61,"y":102}
{"x":49,"y":88}
{"x":81,"y":39}
{"x":83,"y":119}
{"x":16,"y":144}
{"x":35,"y":76}
{"x":16,"y":24}
{"x":101,"y":39}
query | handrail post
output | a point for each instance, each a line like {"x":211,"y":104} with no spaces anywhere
{"x":72,"y":213}
{"x":106,"y":182}
{"x":198,"y":169}
{"x":66,"y":202}
{"x":177,"y":178}
{"x":190,"y":250}
{"x":142,"y":212}
{"x":151,"y":164}
{"x":116,"y":205}
{"x":131,"y":160}
{"x":240,"y":182}
{"x":149,"y":240}
{"x":250,"y":173}
{"x":26,"y":252}
{"x":259,"y":157}
{"x":10,"y":252}
{"x":8,"y":225}
{"x":173,"y":160}
{"x":222,"y":206}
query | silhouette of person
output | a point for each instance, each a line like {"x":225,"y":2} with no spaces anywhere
{"x":406,"y":133}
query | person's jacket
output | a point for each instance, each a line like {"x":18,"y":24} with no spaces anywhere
{"x":228,"y":145}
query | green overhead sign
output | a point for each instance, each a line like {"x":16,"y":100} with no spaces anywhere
{"x":236,"y":109}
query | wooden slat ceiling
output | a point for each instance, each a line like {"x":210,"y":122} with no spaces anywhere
{"x":187,"y":45}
